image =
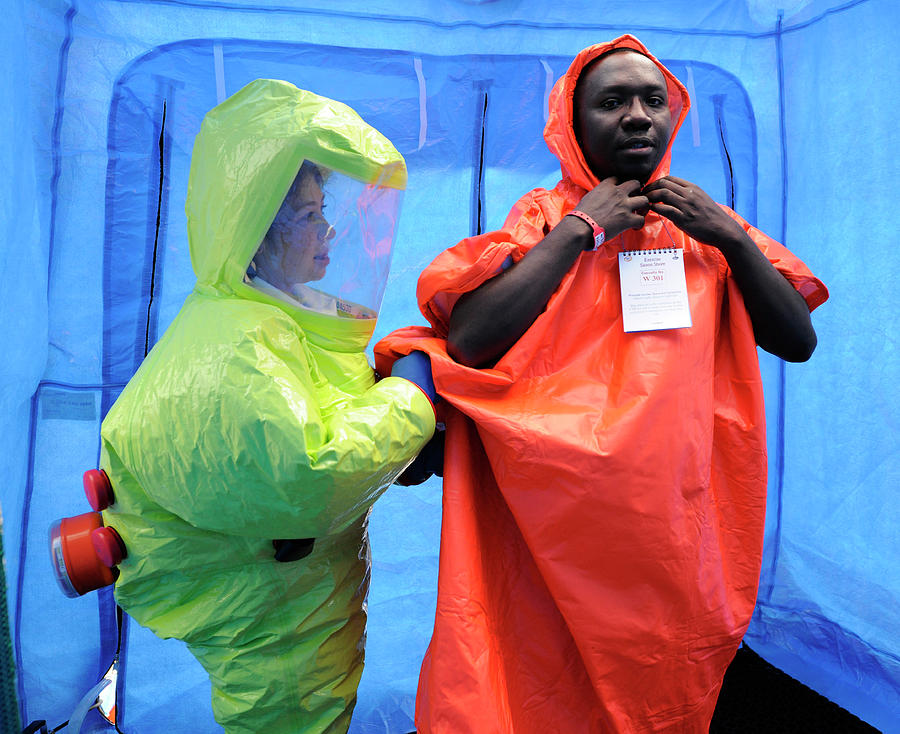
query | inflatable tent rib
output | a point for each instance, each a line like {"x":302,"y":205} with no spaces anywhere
{"x":792,"y":126}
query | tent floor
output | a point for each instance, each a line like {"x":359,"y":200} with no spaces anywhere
{"x":758,"y":698}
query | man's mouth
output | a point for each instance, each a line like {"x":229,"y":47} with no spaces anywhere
{"x":638,"y":145}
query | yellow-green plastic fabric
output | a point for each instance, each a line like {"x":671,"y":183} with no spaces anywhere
{"x":253,"y":420}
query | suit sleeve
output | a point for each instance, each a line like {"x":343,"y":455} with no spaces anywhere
{"x":789,"y":265}
{"x":475,"y":260}
{"x":251,"y":440}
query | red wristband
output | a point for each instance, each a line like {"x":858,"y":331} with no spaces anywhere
{"x":598,"y":231}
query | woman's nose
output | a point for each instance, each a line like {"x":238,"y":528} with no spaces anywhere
{"x":324,"y":230}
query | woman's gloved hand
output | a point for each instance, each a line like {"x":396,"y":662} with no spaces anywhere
{"x":429,"y":461}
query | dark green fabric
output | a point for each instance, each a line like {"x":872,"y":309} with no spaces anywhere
{"x":9,"y":710}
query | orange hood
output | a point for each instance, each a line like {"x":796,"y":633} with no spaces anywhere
{"x":560,"y":130}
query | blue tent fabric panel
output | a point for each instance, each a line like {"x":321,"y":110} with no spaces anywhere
{"x":792,"y":121}
{"x":827,"y":607}
{"x":165,"y":683}
{"x":55,"y":661}
{"x":401,"y":606}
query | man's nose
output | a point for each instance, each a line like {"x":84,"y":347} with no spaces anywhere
{"x":636,"y":115}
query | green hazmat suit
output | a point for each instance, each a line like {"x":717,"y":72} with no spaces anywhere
{"x":254,"y":419}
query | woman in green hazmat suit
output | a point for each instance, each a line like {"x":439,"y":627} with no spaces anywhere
{"x":256,"y":428}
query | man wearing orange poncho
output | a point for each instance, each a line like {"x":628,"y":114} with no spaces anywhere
{"x":604,"y":489}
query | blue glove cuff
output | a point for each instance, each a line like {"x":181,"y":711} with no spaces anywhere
{"x":416,"y":367}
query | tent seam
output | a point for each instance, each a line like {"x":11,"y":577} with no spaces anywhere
{"x":477,"y":223}
{"x":86,"y":387}
{"x":781,"y":407}
{"x":288,"y":10}
{"x":150,"y":324}
{"x":23,"y":552}
{"x":56,"y":133}
{"x":54,"y":199}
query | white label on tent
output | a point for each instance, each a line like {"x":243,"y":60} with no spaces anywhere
{"x":71,"y":406}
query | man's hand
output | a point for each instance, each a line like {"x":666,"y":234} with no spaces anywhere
{"x":615,"y":206}
{"x":778,"y":312}
{"x":692,"y":210}
{"x":486,"y":322}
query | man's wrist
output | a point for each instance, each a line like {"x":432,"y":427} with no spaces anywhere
{"x":598,"y":234}
{"x":733,"y":241}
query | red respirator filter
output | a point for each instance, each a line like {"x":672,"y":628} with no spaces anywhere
{"x":84,"y":553}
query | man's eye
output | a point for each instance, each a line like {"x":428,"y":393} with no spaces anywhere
{"x":609,"y":104}
{"x":656,"y":101}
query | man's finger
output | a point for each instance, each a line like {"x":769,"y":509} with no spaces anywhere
{"x":636,"y":221}
{"x":669,"y":196}
{"x":665,"y":210}
{"x":661,"y":184}
{"x":630,"y":186}
{"x":638,"y":200}
{"x":680,"y":181}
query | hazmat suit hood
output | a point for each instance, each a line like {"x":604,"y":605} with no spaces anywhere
{"x":559,"y":133}
{"x":246,"y":156}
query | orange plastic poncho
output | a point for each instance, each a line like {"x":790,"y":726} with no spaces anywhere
{"x":604,"y":492}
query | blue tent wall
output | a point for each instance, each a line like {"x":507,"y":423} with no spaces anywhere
{"x":794,"y":102}
{"x":830,"y":592}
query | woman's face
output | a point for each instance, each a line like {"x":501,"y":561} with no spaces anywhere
{"x":301,"y":232}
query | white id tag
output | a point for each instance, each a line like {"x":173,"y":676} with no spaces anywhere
{"x":654,"y":290}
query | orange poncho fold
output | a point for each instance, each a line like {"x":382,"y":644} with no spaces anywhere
{"x":604,"y":492}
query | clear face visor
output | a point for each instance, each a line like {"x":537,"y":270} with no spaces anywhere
{"x":329,"y":247}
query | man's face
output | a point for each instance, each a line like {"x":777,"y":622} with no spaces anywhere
{"x":622,"y":119}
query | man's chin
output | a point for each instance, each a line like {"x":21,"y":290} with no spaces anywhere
{"x":643,"y":174}
{"x":625,"y":170}
{"x":632,"y":173}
